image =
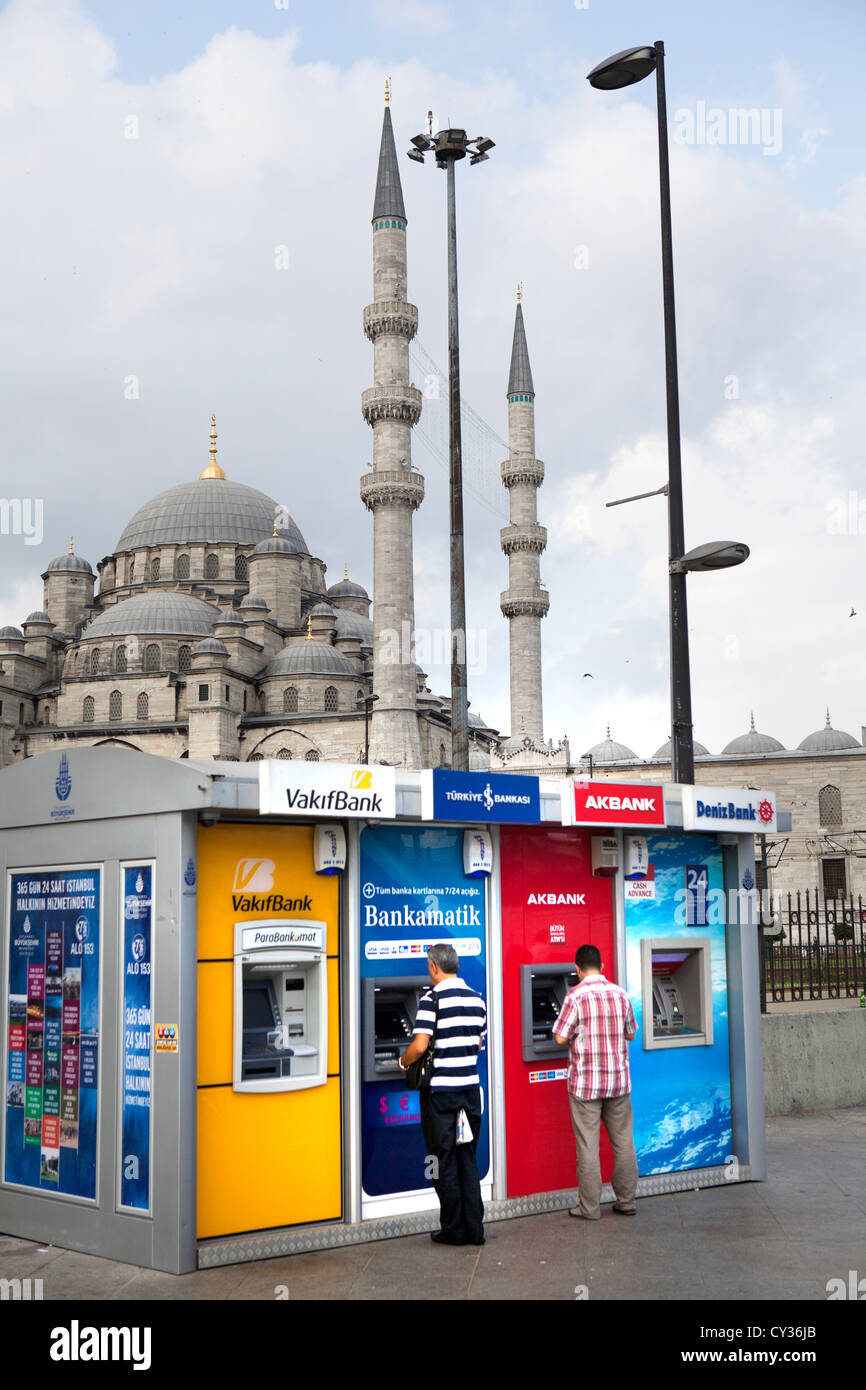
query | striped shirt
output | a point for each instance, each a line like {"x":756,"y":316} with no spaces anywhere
{"x":459,"y":1030}
{"x":598,"y":1020}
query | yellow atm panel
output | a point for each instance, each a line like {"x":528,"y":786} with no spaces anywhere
{"x":267,"y":1157}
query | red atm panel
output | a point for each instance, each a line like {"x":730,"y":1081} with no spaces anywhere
{"x":551,"y":904}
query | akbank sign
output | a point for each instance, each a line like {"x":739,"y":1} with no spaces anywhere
{"x":327,"y":789}
{"x":729,"y":808}
{"x":482,"y":796}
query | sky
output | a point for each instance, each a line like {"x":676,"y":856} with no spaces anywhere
{"x":187,"y":203}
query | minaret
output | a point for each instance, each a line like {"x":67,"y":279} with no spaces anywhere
{"x":393,"y":490}
{"x":524,"y":603}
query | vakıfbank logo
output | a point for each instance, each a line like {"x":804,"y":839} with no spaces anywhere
{"x":326,"y":788}
{"x":254,"y":876}
{"x":252,"y":890}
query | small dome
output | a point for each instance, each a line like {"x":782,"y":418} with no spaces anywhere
{"x":663,"y":754}
{"x":310,"y":658}
{"x":38,"y":617}
{"x":279,"y":545}
{"x":752,"y":743}
{"x":210,"y":645}
{"x":353,"y":625}
{"x":253,"y":601}
{"x":827,"y":740}
{"x":322,"y":610}
{"x":11,"y":633}
{"x":71,"y":564}
{"x":347,"y":588}
{"x":610,"y":752}
{"x":158,"y":613}
{"x":479,"y":760}
{"x":518,"y":741}
{"x":228,"y":615}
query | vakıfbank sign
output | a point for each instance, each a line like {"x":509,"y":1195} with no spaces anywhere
{"x":729,"y":808}
{"x":487,"y":796}
{"x":334,"y":789}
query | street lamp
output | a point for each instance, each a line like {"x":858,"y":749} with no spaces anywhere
{"x":367,"y":702}
{"x":622,"y":70}
{"x":447,"y":147}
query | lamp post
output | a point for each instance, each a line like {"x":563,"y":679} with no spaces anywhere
{"x":622,"y":70}
{"x":367,"y":702}
{"x":447,"y":147}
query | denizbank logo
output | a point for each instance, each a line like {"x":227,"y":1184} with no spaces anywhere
{"x":489,"y":796}
{"x":727,"y":808}
{"x":336,"y":789}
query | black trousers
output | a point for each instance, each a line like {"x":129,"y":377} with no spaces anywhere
{"x":455,"y":1172}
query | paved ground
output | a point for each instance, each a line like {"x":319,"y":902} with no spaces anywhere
{"x":782,"y":1239}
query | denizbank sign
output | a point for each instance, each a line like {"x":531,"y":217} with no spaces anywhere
{"x":480,"y":796}
{"x":326,"y":789}
{"x":729,"y":808}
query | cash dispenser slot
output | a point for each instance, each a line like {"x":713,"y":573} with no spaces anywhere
{"x":280,"y":1018}
{"x":677,"y":992}
{"x":542,"y":994}
{"x":390,"y":1006}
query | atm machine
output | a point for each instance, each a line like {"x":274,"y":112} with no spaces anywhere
{"x":543,"y":988}
{"x":390,"y":1006}
{"x":280,"y":1006}
{"x":677,"y":992}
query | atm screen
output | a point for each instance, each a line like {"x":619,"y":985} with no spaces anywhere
{"x":391,"y":1022}
{"x":260,"y":1005}
{"x":544,"y":1008}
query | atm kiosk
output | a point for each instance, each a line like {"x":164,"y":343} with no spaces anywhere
{"x":677,"y":992}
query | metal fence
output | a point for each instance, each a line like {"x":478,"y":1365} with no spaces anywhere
{"x":820,"y":952}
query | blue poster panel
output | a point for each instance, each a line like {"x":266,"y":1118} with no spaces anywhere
{"x":681,"y":1096}
{"x":136,"y":1066}
{"x":53,"y":1044}
{"x":414,"y":893}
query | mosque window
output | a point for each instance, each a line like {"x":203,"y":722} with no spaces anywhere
{"x":255,"y":758}
{"x":89,"y":709}
{"x":183,"y":567}
{"x":115,"y":705}
{"x":131,"y":570}
{"x":151,"y":656}
{"x":154,"y":568}
{"x":331,"y":699}
{"x":204,"y":692}
{"x":120,"y":659}
{"x":94,"y":661}
{"x":442,"y":758}
{"x":184,"y":658}
{"x":830,"y":806}
{"x":285,"y":755}
{"x":143,"y":707}
{"x":241,"y":568}
{"x":290,"y":700}
{"x":833,"y":874}
{"x":212,"y":567}
{"x":311,"y":756}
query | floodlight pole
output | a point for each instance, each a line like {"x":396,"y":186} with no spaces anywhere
{"x":459,"y":692}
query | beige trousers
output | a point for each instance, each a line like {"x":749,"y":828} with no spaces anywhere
{"x":616,"y":1114}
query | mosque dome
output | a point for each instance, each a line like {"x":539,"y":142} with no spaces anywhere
{"x":753,"y":743}
{"x":210,"y":646}
{"x":11,"y":634}
{"x":281,"y":545}
{"x":228,"y":615}
{"x":610,"y":752}
{"x":663,"y":754}
{"x":310,"y":658}
{"x":68,"y":564}
{"x":347,"y":588}
{"x":38,"y":617}
{"x":322,"y":610}
{"x":209,"y":510}
{"x":353,"y":625}
{"x":254,"y":601}
{"x":164,"y":614}
{"x":518,"y":741}
{"x":827,"y":740}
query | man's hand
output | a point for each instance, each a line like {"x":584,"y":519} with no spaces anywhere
{"x":416,"y":1049}
{"x":557,"y":1037}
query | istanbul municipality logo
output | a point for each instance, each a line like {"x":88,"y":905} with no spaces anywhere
{"x":63,"y":784}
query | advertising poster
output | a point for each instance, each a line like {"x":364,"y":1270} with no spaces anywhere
{"x":681,"y":1097}
{"x":53,"y":1043}
{"x":136,"y":1067}
{"x":414,"y":894}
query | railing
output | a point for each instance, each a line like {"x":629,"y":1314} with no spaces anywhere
{"x":820,"y":952}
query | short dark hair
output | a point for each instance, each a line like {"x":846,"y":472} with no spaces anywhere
{"x":587,"y":958}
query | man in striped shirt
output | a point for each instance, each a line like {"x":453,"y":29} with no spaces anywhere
{"x":456,"y":1020}
{"x":597,"y":1021}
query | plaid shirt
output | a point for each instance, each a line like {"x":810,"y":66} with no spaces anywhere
{"x":598,"y":1020}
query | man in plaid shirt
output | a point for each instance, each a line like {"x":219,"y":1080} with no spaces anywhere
{"x":597,"y":1021}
